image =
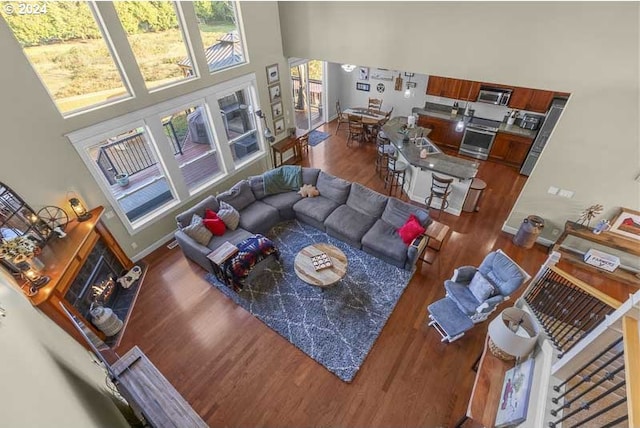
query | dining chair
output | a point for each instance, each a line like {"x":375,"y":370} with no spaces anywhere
{"x":356,"y":128}
{"x":440,"y":189}
{"x":375,"y":104}
{"x":375,"y":130}
{"x":303,"y":144}
{"x":342,"y":118}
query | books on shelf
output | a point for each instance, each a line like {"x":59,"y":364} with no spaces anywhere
{"x":321,"y":261}
{"x":222,"y":253}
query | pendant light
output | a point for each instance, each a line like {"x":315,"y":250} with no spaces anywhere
{"x":408,"y":93}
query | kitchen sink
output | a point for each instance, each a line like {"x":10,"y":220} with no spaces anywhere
{"x":424,"y":143}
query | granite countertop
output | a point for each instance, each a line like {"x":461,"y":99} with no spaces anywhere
{"x":437,"y":162}
{"x":444,"y":112}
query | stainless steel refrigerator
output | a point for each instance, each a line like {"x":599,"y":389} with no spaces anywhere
{"x":550,"y":120}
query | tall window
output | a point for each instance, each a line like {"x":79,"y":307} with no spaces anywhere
{"x":239,"y":124}
{"x":155,"y":35}
{"x":66,"y":48}
{"x":220,"y":33}
{"x":188,"y":134}
{"x":128,"y":166}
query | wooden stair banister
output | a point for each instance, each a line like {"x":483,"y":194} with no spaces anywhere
{"x":604,"y":298}
{"x":631,"y":334}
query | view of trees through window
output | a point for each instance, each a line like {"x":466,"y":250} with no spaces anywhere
{"x":64,"y":44}
{"x":65,"y":47}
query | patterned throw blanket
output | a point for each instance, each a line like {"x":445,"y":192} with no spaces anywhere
{"x":250,"y":251}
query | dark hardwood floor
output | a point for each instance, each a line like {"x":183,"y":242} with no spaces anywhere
{"x":237,"y":372}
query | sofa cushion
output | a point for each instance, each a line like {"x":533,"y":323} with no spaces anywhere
{"x":233,"y":236}
{"x":283,"y":202}
{"x":214,"y":223}
{"x":396,"y":213}
{"x":256,"y":183}
{"x":318,"y":208}
{"x":348,"y":224}
{"x":463,"y":297}
{"x":333,"y":188}
{"x":229,"y":215}
{"x":239,"y":196}
{"x":259,"y":217}
{"x":310,"y":175}
{"x":480,"y":287}
{"x":411,"y":229}
{"x":184,"y":219}
{"x":383,"y":239}
{"x":197,"y":230}
{"x":366,"y":200}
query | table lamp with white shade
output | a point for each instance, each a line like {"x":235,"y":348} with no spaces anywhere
{"x":512,"y":334}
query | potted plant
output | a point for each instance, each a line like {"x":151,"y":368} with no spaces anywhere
{"x":122,"y":179}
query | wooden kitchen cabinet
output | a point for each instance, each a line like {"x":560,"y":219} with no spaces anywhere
{"x":443,"y":132}
{"x":530,"y":99}
{"x":443,"y":87}
{"x":469,"y":90}
{"x":510,"y":149}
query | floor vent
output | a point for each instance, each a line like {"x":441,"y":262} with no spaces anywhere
{"x":173,"y":244}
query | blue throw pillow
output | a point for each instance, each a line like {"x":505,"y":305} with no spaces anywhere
{"x":480,"y":287}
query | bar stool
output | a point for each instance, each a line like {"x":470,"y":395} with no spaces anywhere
{"x":440,"y":189}
{"x":396,"y":172}
{"x":383,"y":150}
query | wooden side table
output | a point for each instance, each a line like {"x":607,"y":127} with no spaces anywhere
{"x":435,"y":235}
{"x":279,"y":148}
{"x":487,"y":387}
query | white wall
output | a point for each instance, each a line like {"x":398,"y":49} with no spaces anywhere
{"x":40,"y":163}
{"x":48,"y":379}
{"x":589,"y":49}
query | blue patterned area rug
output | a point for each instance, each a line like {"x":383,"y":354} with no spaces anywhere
{"x":336,"y":327}
{"x":317,"y":137}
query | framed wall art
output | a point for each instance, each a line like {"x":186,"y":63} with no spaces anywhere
{"x":278,"y":125}
{"x":276,"y":109}
{"x":364,"y":73}
{"x":363,"y":87}
{"x":273,"y":75}
{"x":275,"y":93}
{"x":514,"y":400}
{"x":627,"y":224}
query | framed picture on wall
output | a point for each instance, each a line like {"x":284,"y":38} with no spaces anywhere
{"x":275,"y":93}
{"x":276,"y":109}
{"x":273,"y":75}
{"x":363,"y":87}
{"x":516,"y":389}
{"x":278,"y":125}
{"x":364,"y":73}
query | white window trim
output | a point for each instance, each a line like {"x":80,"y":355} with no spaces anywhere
{"x":151,"y":117}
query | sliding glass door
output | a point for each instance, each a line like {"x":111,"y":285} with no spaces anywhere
{"x":307,"y":83}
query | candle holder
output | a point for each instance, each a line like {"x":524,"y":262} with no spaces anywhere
{"x":79,"y":209}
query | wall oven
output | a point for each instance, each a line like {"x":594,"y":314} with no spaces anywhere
{"x":478,"y":138}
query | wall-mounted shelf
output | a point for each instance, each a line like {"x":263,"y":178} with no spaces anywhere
{"x":606,"y":239}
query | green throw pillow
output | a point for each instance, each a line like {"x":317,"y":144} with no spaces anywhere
{"x":197,"y":231}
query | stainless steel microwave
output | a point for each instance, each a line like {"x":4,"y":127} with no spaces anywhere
{"x":495,"y":96}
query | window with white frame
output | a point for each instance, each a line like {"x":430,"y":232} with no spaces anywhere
{"x":154,"y":159}
{"x":67,"y":46}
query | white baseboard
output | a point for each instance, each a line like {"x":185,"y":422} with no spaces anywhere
{"x":150,"y":249}
{"x":540,"y":240}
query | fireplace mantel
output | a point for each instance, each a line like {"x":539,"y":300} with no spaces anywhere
{"x":64,"y":258}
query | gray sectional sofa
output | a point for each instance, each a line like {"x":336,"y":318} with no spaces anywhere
{"x":348,"y":211}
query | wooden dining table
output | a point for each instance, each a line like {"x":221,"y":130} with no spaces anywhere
{"x":369,"y":117}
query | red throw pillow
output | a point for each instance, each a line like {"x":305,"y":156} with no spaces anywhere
{"x":209,"y":213}
{"x":411,"y":230}
{"x":215,"y":225}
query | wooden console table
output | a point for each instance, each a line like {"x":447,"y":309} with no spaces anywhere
{"x":279,"y":148}
{"x":606,"y":239}
{"x":63,"y":259}
{"x":487,"y":387}
{"x":150,"y":394}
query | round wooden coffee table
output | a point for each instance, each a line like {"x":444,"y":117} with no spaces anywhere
{"x":325,"y":277}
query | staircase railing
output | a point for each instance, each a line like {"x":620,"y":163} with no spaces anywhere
{"x":566,"y":308}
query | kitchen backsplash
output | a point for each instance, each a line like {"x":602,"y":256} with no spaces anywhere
{"x":483,"y":110}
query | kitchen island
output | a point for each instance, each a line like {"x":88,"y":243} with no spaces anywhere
{"x":418,"y":181}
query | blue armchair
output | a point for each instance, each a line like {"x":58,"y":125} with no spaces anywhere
{"x":479,"y":295}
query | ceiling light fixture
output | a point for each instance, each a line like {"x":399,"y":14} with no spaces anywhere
{"x":348,"y":67}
